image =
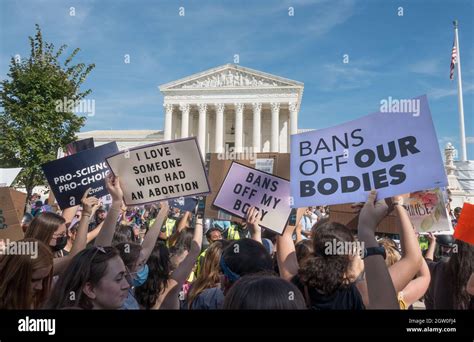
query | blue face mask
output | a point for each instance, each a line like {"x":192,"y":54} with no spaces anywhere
{"x":140,"y":277}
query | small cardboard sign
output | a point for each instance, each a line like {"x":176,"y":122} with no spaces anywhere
{"x":12,"y":203}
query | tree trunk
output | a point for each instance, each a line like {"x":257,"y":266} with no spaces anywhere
{"x":29,"y":191}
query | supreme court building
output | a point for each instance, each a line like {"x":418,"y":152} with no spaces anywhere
{"x":233,"y":106}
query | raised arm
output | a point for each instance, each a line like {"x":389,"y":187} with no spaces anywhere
{"x":253,"y":224}
{"x":403,"y":271}
{"x":182,"y":272}
{"x":106,"y":234}
{"x":286,"y":254}
{"x":380,"y":289}
{"x":93,"y":233}
{"x":299,"y":233}
{"x":183,"y":222}
{"x":431,"y":247}
{"x":89,"y":206}
{"x":152,"y":235}
{"x":69,"y":213}
{"x":417,"y":287}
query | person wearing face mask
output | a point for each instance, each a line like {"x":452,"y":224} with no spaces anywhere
{"x":50,"y":229}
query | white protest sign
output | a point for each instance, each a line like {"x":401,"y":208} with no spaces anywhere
{"x":245,"y":187}
{"x":7,"y":176}
{"x":427,"y":211}
{"x":156,"y":172}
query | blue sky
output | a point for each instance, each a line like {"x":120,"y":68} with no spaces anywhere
{"x":389,"y":55}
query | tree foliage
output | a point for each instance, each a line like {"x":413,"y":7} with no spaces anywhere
{"x":31,"y":126}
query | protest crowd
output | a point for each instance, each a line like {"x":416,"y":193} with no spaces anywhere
{"x":157,"y":256}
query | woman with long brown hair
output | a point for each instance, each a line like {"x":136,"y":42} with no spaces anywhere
{"x":450,"y":277}
{"x":50,"y":229}
{"x":209,"y":276}
{"x":96,"y":278}
{"x":26,"y":278}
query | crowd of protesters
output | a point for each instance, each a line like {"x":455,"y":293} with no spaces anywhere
{"x":156,"y":257}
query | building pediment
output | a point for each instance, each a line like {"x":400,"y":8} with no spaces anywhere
{"x":230,"y":76}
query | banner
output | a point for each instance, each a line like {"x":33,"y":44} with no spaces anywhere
{"x":427,"y":211}
{"x":245,"y":187}
{"x":392,"y":152}
{"x":165,"y":170}
{"x":70,"y":176}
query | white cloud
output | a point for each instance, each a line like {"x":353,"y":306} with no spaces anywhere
{"x":329,"y":15}
{"x":439,"y":93}
{"x":345,"y":77}
{"x":426,"y":67}
{"x":470,"y":140}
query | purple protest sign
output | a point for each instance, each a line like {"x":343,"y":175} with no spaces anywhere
{"x":245,"y":187}
{"x":393,"y":152}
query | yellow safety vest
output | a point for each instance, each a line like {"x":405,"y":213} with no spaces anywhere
{"x":199,"y":262}
{"x":169,"y":225}
{"x":233,"y":233}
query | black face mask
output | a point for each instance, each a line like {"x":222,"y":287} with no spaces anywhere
{"x":60,"y":244}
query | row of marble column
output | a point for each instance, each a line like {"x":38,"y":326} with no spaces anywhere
{"x":239,"y":132}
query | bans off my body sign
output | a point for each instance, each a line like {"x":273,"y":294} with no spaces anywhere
{"x":394,"y":153}
{"x":245,"y":187}
{"x":166,"y":170}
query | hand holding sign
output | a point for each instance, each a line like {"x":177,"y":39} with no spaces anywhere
{"x":372,"y":213}
{"x":431,"y":238}
{"x":164,"y":206}
{"x":89,"y":204}
{"x":253,"y":223}
{"x":113,"y":186}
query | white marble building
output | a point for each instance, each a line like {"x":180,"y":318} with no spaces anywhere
{"x":460,"y":178}
{"x":124,"y":138}
{"x":233,"y":106}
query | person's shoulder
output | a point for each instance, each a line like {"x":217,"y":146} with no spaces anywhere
{"x":130,"y":302}
{"x":435,"y":266}
{"x":209,"y":299}
{"x":350,"y":297}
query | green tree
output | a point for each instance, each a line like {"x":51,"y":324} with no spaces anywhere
{"x":32,"y":128}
